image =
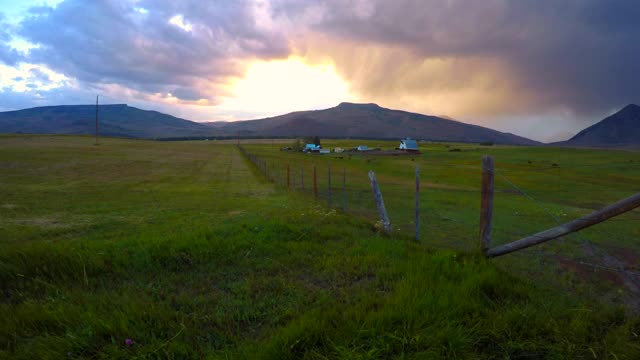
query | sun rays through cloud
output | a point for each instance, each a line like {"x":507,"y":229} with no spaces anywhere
{"x":540,"y":68}
{"x":277,"y":86}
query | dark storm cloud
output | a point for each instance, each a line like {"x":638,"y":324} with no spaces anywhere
{"x":577,"y":54}
{"x":8,"y":55}
{"x":134,"y":45}
{"x":489,"y":60}
{"x":186,"y":93}
{"x":36,"y":74}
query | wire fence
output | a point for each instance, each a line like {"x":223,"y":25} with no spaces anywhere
{"x":449,"y":210}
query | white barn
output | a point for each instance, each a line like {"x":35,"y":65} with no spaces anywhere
{"x":408,"y":145}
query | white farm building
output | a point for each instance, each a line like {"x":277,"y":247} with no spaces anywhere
{"x":408,"y":145}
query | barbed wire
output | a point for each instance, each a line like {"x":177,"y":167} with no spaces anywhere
{"x":358,"y":200}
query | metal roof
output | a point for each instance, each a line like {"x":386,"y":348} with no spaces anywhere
{"x":410,"y":144}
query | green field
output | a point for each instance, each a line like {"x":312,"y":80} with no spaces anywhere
{"x":180,"y":250}
{"x":536,"y":188}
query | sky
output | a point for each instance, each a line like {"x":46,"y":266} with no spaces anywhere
{"x":543,"y":69}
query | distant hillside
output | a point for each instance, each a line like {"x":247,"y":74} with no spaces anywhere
{"x":621,"y":129}
{"x":367,"y":121}
{"x":342,"y":121}
{"x":115,"y":120}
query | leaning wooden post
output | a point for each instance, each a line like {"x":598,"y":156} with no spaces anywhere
{"x":344,"y":189}
{"x":486,"y":204}
{"x":417,"y":234}
{"x":281,"y":170}
{"x":274,"y":172}
{"x":377,"y":195}
{"x":599,"y":216}
{"x":294,"y":180}
{"x":329,"y":181}
{"x":315,"y":182}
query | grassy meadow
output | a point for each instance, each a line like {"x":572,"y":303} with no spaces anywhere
{"x":182,"y":250}
{"x":536,"y":188}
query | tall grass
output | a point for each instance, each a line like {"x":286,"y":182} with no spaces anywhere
{"x":185,"y":253}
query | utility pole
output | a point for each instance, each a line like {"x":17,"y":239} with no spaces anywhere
{"x":97,"y":119}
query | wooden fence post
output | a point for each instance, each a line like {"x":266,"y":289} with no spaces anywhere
{"x":315,"y":182}
{"x":294,"y":179}
{"x":608,"y":212}
{"x":486,"y":203}
{"x":329,"y":181}
{"x":377,"y":195}
{"x":344,"y":189}
{"x":417,"y":234}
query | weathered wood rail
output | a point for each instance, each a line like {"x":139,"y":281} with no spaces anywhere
{"x":594,"y":218}
{"x":486,"y":215}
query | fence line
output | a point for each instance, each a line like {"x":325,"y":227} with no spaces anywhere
{"x":457,"y":228}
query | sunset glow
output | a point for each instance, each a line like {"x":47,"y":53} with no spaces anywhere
{"x":535,"y":68}
{"x":277,"y":86}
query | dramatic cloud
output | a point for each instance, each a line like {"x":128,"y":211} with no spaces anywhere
{"x":186,"y":49}
{"x":537,"y":67}
{"x":8,"y":55}
{"x":566,"y":54}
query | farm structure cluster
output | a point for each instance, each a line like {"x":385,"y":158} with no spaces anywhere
{"x":406,"y":146}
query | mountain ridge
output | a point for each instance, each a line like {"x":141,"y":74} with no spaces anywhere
{"x":114,"y":120}
{"x":346,"y":120}
{"x":368,"y":120}
{"x":621,"y":129}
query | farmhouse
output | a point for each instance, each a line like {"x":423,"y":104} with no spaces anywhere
{"x":408,"y":145}
{"x":311,"y":148}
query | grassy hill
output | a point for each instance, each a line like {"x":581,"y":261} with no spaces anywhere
{"x":343,"y":121}
{"x":621,"y":129}
{"x":140,"y":249}
{"x":367,"y":121}
{"x":114,"y":120}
